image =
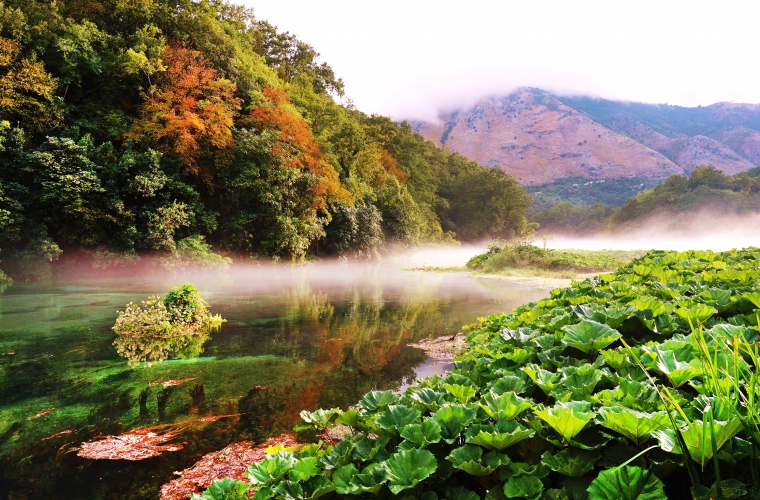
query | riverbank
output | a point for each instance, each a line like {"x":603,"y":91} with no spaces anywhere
{"x":612,"y":382}
{"x":531,"y":264}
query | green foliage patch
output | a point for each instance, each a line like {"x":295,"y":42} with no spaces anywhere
{"x":585,"y":191}
{"x":175,"y":325}
{"x":501,"y":258}
{"x":627,"y":385}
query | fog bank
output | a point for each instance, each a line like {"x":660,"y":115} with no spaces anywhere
{"x":702,"y":231}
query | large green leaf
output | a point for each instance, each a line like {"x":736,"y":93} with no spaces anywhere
{"x":366,"y":448}
{"x":697,"y":313}
{"x":429,"y":398}
{"x":568,"y":419}
{"x":626,"y":483}
{"x":407,"y":468}
{"x":350,"y":418}
{"x":675,"y":360}
{"x":289,"y":490}
{"x":571,"y":461}
{"x":635,"y":425}
{"x":397,"y":416}
{"x":376,"y":400}
{"x":470,"y":459}
{"x":698,"y":437}
{"x":460,"y":493}
{"x":497,"y":437}
{"x":462,"y":393}
{"x":524,"y":486}
{"x":348,"y":481}
{"x":505,"y":406}
{"x":581,"y":380}
{"x":337,"y":456}
{"x":453,"y":419}
{"x":272,"y":468}
{"x":589,"y":336}
{"x":304,"y":469}
{"x":341,"y":478}
{"x":508,"y":383}
{"x":616,"y":358}
{"x":546,"y":380}
{"x":320,"y":417}
{"x":317,"y":486}
{"x":225,"y":489}
{"x":421,"y":435}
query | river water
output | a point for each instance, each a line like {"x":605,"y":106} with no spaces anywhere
{"x":295,"y":338}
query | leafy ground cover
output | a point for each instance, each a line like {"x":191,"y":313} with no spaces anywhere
{"x":637,"y":384}
{"x":522,"y":259}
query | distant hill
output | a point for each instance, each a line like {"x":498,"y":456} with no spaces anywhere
{"x":539,"y":138}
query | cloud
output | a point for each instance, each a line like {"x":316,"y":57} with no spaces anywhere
{"x":411,"y":59}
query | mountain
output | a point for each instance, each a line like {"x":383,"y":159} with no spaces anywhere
{"x":724,"y":135}
{"x":540,"y":137}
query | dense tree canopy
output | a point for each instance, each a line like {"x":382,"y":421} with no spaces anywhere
{"x":129,"y":126}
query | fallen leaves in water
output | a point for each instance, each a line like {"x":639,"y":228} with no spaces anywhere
{"x":67,"y":431}
{"x":173,"y":382}
{"x":138,"y":444}
{"x":232,"y":462}
{"x":40,"y":413}
{"x":142,"y":443}
{"x":444,"y":348}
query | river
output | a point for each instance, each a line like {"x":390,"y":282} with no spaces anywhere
{"x":295,"y":338}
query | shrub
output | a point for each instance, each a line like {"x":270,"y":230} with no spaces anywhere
{"x":176,"y":325}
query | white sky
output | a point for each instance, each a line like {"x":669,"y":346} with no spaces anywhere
{"x":409,"y":58}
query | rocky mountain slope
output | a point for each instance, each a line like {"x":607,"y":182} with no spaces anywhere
{"x":540,"y":137}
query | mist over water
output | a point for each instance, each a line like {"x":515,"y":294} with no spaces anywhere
{"x":704,"y":231}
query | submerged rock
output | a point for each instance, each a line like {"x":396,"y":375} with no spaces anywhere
{"x":445,"y":348}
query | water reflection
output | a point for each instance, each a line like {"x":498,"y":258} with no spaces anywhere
{"x":151,"y":348}
{"x":295,"y":339}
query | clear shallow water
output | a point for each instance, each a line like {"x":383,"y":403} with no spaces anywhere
{"x":295,"y":338}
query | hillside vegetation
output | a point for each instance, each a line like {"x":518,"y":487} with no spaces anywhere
{"x":638,"y":384}
{"x":679,"y":202}
{"x":187,"y":127}
{"x":583,"y":191}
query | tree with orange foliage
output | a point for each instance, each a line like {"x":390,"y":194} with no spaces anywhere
{"x":191,"y":111}
{"x":276,"y":191}
{"x":297,"y":147}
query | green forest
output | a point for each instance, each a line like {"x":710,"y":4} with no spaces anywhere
{"x":678,"y":199}
{"x":194,"y":131}
{"x":579,"y":190}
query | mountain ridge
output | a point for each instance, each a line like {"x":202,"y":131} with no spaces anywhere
{"x":540,"y":137}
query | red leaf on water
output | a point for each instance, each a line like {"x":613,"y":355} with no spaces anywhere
{"x":232,"y":462}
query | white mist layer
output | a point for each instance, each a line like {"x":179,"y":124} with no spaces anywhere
{"x":702,"y":232}
{"x":439,"y":256}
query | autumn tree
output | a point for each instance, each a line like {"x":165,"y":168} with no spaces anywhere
{"x":191,"y":110}
{"x":296,"y":147}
